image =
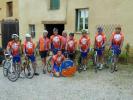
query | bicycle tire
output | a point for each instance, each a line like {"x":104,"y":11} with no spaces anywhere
{"x":12,"y":76}
{"x":27,"y":72}
{"x":5,"y":72}
{"x":49,"y":68}
{"x":18,"y":69}
{"x":112,"y":68}
{"x":95,"y":63}
{"x":80,"y":68}
{"x":5,"y":68}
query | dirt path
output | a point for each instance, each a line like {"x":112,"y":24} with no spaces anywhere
{"x":83,"y":86}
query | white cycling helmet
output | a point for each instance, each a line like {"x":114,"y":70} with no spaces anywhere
{"x":14,"y":35}
{"x":45,"y":31}
{"x":28,"y":35}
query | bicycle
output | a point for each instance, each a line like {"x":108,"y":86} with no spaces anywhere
{"x":28,"y":69}
{"x":48,"y":64}
{"x":95,"y":59}
{"x":81,"y":65}
{"x":112,"y":59}
{"x":10,"y":69}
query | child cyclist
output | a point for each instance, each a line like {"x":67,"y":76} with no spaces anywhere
{"x":99,"y":46}
{"x":117,"y":40}
{"x":57,"y":61}
{"x":71,"y":46}
{"x":84,"y":45}
{"x":29,"y":50}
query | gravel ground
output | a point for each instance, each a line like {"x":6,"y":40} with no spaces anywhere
{"x":84,"y":86}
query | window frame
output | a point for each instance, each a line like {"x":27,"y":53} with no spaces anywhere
{"x":9,"y":9}
{"x":32,"y":30}
{"x":52,"y":7}
{"x":85,"y":12}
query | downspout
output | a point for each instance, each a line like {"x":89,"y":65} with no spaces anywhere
{"x":66,"y":11}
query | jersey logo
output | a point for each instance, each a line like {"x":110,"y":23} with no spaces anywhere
{"x":59,"y":59}
{"x":71,"y":43}
{"x":117,"y":37}
{"x":15,"y":46}
{"x":84,"y":41}
{"x":56,"y":39}
{"x":29,"y":45}
{"x":99,"y":38}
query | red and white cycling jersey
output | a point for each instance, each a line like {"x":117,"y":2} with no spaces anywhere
{"x":56,"y":41}
{"x":100,"y":40}
{"x":84,"y":43}
{"x":71,"y":45}
{"x":116,"y":39}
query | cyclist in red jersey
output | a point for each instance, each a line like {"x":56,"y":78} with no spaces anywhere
{"x":71,"y":46}
{"x":99,"y":45}
{"x":29,"y":50}
{"x":84,"y":45}
{"x":57,"y":63}
{"x":117,"y":40}
{"x":55,"y":41}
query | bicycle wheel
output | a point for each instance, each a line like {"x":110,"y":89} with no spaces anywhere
{"x":29,"y":71}
{"x":80,"y":68}
{"x":5,"y":72}
{"x":49,"y":67}
{"x":95,"y":63}
{"x":5,"y":68}
{"x":112,"y":68}
{"x":12,"y":74}
{"x":17,"y":68}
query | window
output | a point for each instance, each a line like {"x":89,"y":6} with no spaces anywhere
{"x":81,"y":19}
{"x":9,"y":9}
{"x":54,"y":4}
{"x":32,"y":30}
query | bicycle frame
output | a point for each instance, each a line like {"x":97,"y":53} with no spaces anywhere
{"x":113,"y":62}
{"x":10,"y":60}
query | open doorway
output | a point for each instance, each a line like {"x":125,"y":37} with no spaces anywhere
{"x":8,"y":27}
{"x":50,"y":27}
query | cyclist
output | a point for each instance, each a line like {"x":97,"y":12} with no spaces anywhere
{"x":44,"y":47}
{"x":10,"y":41}
{"x":57,"y":63}
{"x":64,"y":41}
{"x":55,"y":41}
{"x":71,"y":46}
{"x":84,"y":45}
{"x":14,"y":48}
{"x":29,"y":49}
{"x":117,"y":40}
{"x":99,"y":46}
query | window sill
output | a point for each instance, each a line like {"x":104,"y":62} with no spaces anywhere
{"x":77,"y":32}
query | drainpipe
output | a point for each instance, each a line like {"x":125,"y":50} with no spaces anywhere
{"x":66,"y":11}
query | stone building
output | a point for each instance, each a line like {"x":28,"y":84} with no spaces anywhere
{"x":33,"y":16}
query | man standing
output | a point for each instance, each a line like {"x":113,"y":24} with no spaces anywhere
{"x":44,"y":48}
{"x":29,"y":50}
{"x":99,"y":46}
{"x":84,"y":45}
{"x":117,"y":40}
{"x":55,"y":41}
